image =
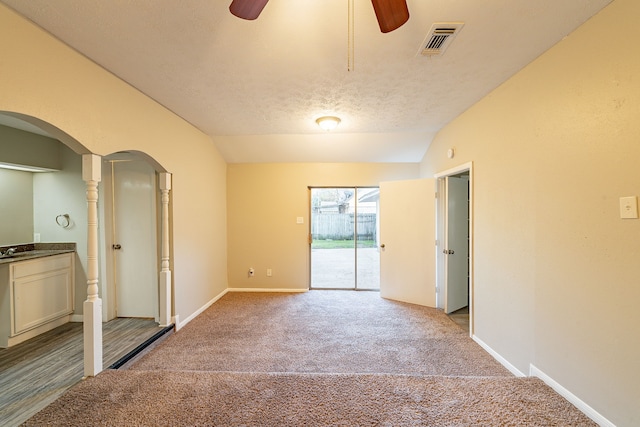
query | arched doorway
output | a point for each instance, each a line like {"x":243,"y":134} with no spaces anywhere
{"x":86,"y":175}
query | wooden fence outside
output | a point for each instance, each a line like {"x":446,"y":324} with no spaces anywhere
{"x":337,"y":226}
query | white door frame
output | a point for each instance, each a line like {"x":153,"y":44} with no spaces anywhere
{"x":440,"y":221}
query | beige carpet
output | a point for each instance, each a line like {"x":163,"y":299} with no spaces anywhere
{"x":319,"y":358}
{"x":322,"y":331}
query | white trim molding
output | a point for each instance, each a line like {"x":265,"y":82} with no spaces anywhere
{"x":515,"y":371}
{"x":455,"y":170}
{"x":575,"y":400}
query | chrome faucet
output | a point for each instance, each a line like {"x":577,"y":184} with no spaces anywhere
{"x":9,"y":252}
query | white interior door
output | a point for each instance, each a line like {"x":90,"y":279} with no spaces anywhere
{"x":456,"y":243}
{"x":134,"y":239}
{"x":407,"y":241}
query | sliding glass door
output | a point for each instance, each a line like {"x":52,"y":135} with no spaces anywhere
{"x":344,"y":238}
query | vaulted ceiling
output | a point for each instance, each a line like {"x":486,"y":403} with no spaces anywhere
{"x":256,"y":87}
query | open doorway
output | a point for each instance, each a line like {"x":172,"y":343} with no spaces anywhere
{"x":455,"y":255}
{"x":343,"y":238}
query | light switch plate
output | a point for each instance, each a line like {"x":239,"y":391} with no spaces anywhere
{"x":300,"y":220}
{"x":629,"y":207}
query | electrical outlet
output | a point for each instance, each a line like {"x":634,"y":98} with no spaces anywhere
{"x":629,"y":207}
{"x":251,"y":272}
{"x":269,"y":272}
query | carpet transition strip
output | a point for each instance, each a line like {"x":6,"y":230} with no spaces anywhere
{"x":139,"y":349}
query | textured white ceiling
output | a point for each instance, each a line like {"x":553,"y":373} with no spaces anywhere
{"x":257,"y":86}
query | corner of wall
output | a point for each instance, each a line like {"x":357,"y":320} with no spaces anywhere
{"x":180,"y":325}
{"x":504,"y":362}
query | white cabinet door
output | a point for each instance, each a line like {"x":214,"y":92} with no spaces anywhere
{"x":42,"y":290}
{"x":407,"y":237}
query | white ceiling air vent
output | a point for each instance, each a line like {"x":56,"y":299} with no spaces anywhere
{"x":439,"y":38}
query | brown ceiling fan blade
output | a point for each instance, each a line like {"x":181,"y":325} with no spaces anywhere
{"x":247,"y":9}
{"x":391,"y":14}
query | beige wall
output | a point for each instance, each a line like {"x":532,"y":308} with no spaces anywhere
{"x":557,"y":272}
{"x":96,"y":112}
{"x":264,"y":201}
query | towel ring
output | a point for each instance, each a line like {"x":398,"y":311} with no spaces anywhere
{"x":63,"y":220}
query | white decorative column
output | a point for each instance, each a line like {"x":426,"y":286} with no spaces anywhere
{"x":92,"y":307}
{"x":165,"y":272}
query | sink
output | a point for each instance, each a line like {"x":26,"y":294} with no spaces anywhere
{"x":35,"y":253}
{"x":17,"y":254}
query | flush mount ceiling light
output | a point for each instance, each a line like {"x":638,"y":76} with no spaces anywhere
{"x":328,"y":122}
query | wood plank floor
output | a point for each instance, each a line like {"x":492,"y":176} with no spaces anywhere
{"x":461,"y":317}
{"x":36,"y":372}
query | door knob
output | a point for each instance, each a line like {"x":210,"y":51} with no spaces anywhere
{"x":117,"y":247}
{"x":382,"y":246}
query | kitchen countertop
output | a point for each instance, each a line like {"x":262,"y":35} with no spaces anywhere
{"x":35,"y":250}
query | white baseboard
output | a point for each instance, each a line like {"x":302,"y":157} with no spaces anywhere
{"x":179,"y":324}
{"x":266,"y":290}
{"x":577,"y":402}
{"x":504,"y":362}
{"x":78,"y":318}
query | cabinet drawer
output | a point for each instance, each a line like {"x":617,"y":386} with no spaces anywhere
{"x":40,"y":265}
